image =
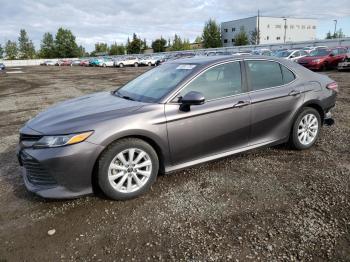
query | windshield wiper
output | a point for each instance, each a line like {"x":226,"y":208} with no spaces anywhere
{"x":117,"y":93}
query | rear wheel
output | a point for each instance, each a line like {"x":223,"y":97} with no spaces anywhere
{"x":149,"y":64}
{"x":306,"y":129}
{"x":121,"y":65}
{"x":127,"y":169}
{"x":136,"y":64}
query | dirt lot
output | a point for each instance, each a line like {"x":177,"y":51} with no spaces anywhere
{"x":269,"y":204}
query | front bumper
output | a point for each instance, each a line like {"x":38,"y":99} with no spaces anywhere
{"x":344,"y":66}
{"x":312,"y":65}
{"x":62,"y":172}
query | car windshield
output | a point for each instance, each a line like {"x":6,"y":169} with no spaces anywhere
{"x":320,"y":52}
{"x":153,"y":85}
{"x":283,"y":53}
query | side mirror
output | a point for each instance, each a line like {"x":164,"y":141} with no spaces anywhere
{"x":191,"y":98}
{"x":292,"y":56}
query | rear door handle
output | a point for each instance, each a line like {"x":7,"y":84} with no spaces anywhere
{"x":294,"y":92}
{"x":241,"y":104}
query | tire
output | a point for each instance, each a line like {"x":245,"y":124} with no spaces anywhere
{"x":104,"y":65}
{"x":309,"y":120}
{"x":121,"y":65}
{"x":136,"y":64}
{"x":120,"y":188}
{"x":149,"y":64}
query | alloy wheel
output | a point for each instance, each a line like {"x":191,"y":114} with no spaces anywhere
{"x":308,"y":129}
{"x":129,"y":170}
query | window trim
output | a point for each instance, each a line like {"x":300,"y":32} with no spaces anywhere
{"x":245,"y":89}
{"x":250,"y":91}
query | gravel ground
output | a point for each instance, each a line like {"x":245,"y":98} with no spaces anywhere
{"x":271,"y":204}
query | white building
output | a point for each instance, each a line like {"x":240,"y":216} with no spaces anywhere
{"x":272,"y":29}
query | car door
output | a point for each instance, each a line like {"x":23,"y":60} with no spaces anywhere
{"x":276,"y":94}
{"x":220,"y":124}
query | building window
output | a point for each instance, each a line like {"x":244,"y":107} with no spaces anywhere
{"x":278,"y":26}
{"x":233,"y":29}
{"x":308,"y":27}
{"x":302,"y":27}
{"x":278,"y":38}
{"x":267,"y":38}
{"x":225,"y":30}
{"x":225,"y":41}
{"x":232,"y":40}
{"x":291,"y":26}
{"x":298,"y":26}
{"x":313,"y":27}
{"x":268,"y":26}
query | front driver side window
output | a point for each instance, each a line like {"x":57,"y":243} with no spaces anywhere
{"x":217,"y":82}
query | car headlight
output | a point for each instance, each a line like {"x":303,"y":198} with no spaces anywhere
{"x":62,"y":140}
{"x":316,"y":60}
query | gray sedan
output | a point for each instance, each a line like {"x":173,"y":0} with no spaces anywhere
{"x":180,"y":114}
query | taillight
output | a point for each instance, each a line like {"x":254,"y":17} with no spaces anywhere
{"x":333,"y":86}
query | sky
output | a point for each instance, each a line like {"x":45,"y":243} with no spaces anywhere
{"x":111,"y":21}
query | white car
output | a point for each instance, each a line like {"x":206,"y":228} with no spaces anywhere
{"x":106,"y":62}
{"x":128,"y":61}
{"x":149,"y":61}
{"x":309,"y":49}
{"x":293,"y":55}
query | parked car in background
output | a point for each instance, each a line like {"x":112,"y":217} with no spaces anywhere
{"x":291,"y":54}
{"x":2,"y":67}
{"x":149,"y":61}
{"x":84,"y":62}
{"x":322,"y":59}
{"x":64,"y":63}
{"x":48,"y":63}
{"x":76,"y":63}
{"x":127,"y":61}
{"x":242,"y":53}
{"x":309,"y":49}
{"x":263,"y":51}
{"x":182,"y":113}
{"x":215,"y":53}
{"x":106,"y":62}
{"x":95,"y":61}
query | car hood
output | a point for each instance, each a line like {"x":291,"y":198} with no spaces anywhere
{"x":82,"y":113}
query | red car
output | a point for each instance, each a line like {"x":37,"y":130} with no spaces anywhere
{"x":65,"y":63}
{"x":84,"y":63}
{"x":322,"y":59}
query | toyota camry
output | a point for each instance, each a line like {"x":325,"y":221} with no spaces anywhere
{"x":182,"y":113}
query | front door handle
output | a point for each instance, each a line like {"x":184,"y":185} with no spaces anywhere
{"x":294,"y":92}
{"x":241,"y":104}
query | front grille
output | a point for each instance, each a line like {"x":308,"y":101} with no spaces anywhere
{"x":35,"y":172}
{"x":26,"y":137}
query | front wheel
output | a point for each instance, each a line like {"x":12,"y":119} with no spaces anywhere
{"x":127,"y":169}
{"x":136,"y":64}
{"x":306,"y":129}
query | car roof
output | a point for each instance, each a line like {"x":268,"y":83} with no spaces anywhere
{"x":205,"y":60}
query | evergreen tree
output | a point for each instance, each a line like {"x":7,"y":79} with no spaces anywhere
{"x":47,"y":47}
{"x":241,"y":38}
{"x":135,"y":46}
{"x":25,"y":47}
{"x":1,"y":51}
{"x":11,"y":50}
{"x":159,"y":45}
{"x":211,"y":34}
{"x":65,"y":44}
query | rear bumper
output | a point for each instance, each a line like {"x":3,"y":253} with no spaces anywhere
{"x":62,"y":172}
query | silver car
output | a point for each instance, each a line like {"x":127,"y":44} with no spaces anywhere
{"x":177,"y":115}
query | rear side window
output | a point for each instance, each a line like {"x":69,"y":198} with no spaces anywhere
{"x":217,"y":82}
{"x":288,"y":75}
{"x":264,"y":74}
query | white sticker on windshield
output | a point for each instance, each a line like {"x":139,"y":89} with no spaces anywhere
{"x":186,"y":67}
